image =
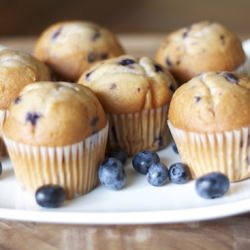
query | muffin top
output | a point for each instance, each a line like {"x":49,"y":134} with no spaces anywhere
{"x":201,"y":47}
{"x":54,"y":114}
{"x":18,"y":69}
{"x":70,"y":48}
{"x":127,"y":85}
{"x":212,"y":102}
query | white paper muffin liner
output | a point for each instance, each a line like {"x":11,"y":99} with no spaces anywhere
{"x":134,"y":132}
{"x":74,"y":167}
{"x":227,"y":152}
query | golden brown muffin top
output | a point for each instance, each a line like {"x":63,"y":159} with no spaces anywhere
{"x":71,"y":47}
{"x":201,"y":47}
{"x":127,"y":84}
{"x":54,"y":114}
{"x":212,"y":102}
{"x":18,"y":69}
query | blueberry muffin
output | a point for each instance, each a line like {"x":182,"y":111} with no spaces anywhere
{"x":209,"y":118}
{"x":70,"y":48}
{"x":135,"y":94}
{"x":56,"y":133}
{"x":17,"y":69}
{"x":201,"y":47}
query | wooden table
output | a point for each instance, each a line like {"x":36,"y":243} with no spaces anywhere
{"x":228,"y":233}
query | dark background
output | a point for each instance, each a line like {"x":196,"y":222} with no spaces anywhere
{"x":30,"y":17}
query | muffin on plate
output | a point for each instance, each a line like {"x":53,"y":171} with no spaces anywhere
{"x":17,"y":69}
{"x":135,"y":93}
{"x":209,"y":118}
{"x":56,"y":133}
{"x":70,"y":48}
{"x":201,"y":47}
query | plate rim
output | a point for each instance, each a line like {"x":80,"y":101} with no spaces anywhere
{"x":55,"y":216}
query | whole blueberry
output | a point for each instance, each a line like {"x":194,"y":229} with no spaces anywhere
{"x":212,"y":185}
{"x":118,"y":154}
{"x":157,"y":174}
{"x":143,"y":161}
{"x":50,"y":196}
{"x":112,"y":174}
{"x":179,"y":173}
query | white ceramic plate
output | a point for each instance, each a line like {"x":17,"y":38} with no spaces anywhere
{"x":138,"y":203}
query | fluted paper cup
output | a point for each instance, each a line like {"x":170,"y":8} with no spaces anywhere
{"x":227,"y":152}
{"x":74,"y":167}
{"x":134,"y":132}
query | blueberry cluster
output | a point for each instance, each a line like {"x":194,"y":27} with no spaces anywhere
{"x":112,"y":173}
{"x":148,"y":163}
{"x":113,"y":176}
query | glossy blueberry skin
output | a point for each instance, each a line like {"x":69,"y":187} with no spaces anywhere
{"x":1,"y":168}
{"x":179,"y":173}
{"x":157,"y":174}
{"x":143,"y":160}
{"x":112,"y":174}
{"x":50,"y":196}
{"x":119,"y":154}
{"x":212,"y":185}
